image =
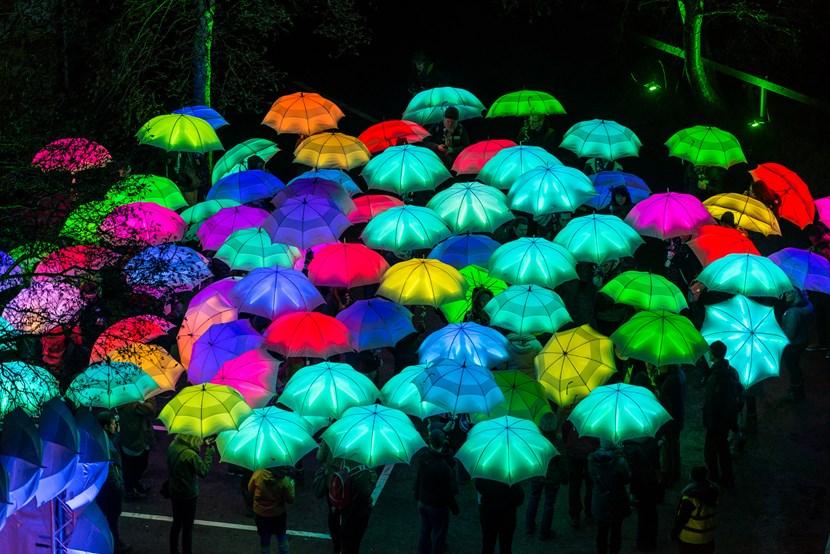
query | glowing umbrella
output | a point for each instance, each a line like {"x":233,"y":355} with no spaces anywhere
{"x":27,"y":255}
{"x":220,"y":288}
{"x":148,"y":188}
{"x":305,"y":221}
{"x":315,"y":186}
{"x":619,"y":412}
{"x":750,"y":214}
{"x":327,"y":389}
{"x":83,"y":222}
{"x":598,"y":238}
{"x":93,"y":464}
{"x":466,"y":342}
{"x":405,"y":169}
{"x":166,"y":268}
{"x":60,"y":440}
{"x":527,"y":309}
{"x":245,"y":186}
{"x":71,"y":154}
{"x":472,"y":158}
{"x":21,"y":455}
{"x":806,"y":270}
{"x":272,"y":292}
{"x":510,"y":163}
{"x":461,"y":251}
{"x":336,"y":175}
{"x":73,"y":261}
{"x":460,"y":387}
{"x":428,"y":105}
{"x":405,"y":228}
{"x":249,"y":249}
{"x":747,"y":274}
{"x":253,"y":374}
{"x":370,"y":205}
{"x":420,"y":281}
{"x":204,"y":410}
{"x":550,"y":189}
{"x":216,"y":229}
{"x":660,"y":338}
{"x":396,"y":132}
{"x":706,"y":146}
{"x":346,"y":265}
{"x":477,"y":279}
{"x":606,"y":181}
{"x":180,"y":133}
{"x":400,"y":392}
{"x":600,"y":138}
{"x":142,"y":224}
{"x":376,"y":323}
{"x":303,"y":113}
{"x":134,"y":329}
{"x":645,"y":291}
{"x":220,"y":343}
{"x":269,"y":437}
{"x":197,"y":320}
{"x":90,"y":533}
{"x":330,"y":150}
{"x":8,"y":336}
{"x":308,"y":335}
{"x":796,"y":202}
{"x":471,"y":207}
{"x":201,"y":211}
{"x":153,"y":360}
{"x":754,"y":340}
{"x":713,"y":242}
{"x":236,"y":158}
{"x":823,"y":207}
{"x":109,"y":384}
{"x":524,"y":397}
{"x":8,"y":269}
{"x":203,"y":112}
{"x":524,"y":103}
{"x":42,"y":306}
{"x":533,"y":261}
{"x":667,"y":215}
{"x":25,"y":386}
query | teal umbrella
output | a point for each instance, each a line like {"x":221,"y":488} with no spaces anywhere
{"x":526,"y":309}
{"x":659,"y":338}
{"x":401,"y":393}
{"x":26,"y":386}
{"x":598,"y":238}
{"x":746,"y":274}
{"x":472,"y":207}
{"x":619,"y":412}
{"x":236,"y":158}
{"x":550,"y":189}
{"x":510,"y":163}
{"x":601,"y":138}
{"x":251,"y":248}
{"x":428,"y":105}
{"x":405,"y":228}
{"x":405,"y":169}
{"x":533,"y":261}
{"x":327,"y":389}
{"x":110,"y":384}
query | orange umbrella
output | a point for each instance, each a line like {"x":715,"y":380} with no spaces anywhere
{"x":154,"y":360}
{"x":796,"y":201}
{"x":713,"y":242}
{"x":332,"y":150}
{"x":304,"y":113}
{"x":196,"y":321}
{"x":472,"y":159}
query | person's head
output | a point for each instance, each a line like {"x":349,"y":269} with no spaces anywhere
{"x":109,"y":421}
{"x":536,"y":121}
{"x":481,"y":296}
{"x":718,"y":350}
{"x":191,"y":440}
{"x":548,"y":422}
{"x":420,"y":61}
{"x":255,"y":162}
{"x":607,"y":444}
{"x":816,"y":232}
{"x":699,"y":473}
{"x":520,"y":225}
{"x":451,"y":116}
{"x":608,"y":265}
{"x":620,"y":196}
{"x":727,"y":219}
{"x":437,"y":439}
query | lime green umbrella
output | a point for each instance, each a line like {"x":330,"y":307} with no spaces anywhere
{"x":405,"y":228}
{"x":25,"y":386}
{"x":645,"y":291}
{"x":205,"y":410}
{"x":400,"y":393}
{"x":619,"y":412}
{"x":598,"y":238}
{"x":109,"y":384}
{"x":706,"y":146}
{"x":477,"y":278}
{"x":510,"y":163}
{"x":269,"y":437}
{"x":526,"y":309}
{"x":373,"y":435}
{"x":533,"y":261}
{"x":550,"y":189}
{"x":659,"y":338}
{"x":147,"y":188}
{"x":327,"y":389}
{"x":422,"y":282}
{"x":83,"y":222}
{"x":236,"y":158}
{"x":179,"y":133}
{"x":249,"y":249}
{"x":472,"y":207}
{"x":524,"y":103}
{"x":405,"y":169}
{"x":523,"y":398}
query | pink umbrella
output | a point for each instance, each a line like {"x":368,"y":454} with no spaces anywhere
{"x":346,"y":265}
{"x":131,"y":330}
{"x":216,"y":229}
{"x":198,"y":320}
{"x":220,"y":343}
{"x":472,"y":159}
{"x":823,"y":207}
{"x":42,"y":306}
{"x":253,"y":374}
{"x":669,"y":214}
{"x":142,"y":223}
{"x":72,"y":261}
{"x":71,"y":154}
{"x":308,"y":335}
{"x":370,"y":205}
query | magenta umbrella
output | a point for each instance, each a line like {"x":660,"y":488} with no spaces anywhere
{"x":305,"y":221}
{"x":216,"y":229}
{"x":253,"y":374}
{"x":142,"y":223}
{"x":71,"y":154}
{"x":42,"y":306}
{"x":668,"y":214}
{"x":221,"y":342}
{"x":275,"y":291}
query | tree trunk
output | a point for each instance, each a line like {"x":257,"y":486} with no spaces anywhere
{"x":691,"y":13}
{"x":201,"y":53}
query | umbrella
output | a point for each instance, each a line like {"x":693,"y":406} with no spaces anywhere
{"x":215,"y":230}
{"x":26,"y":386}
{"x":746,"y":274}
{"x":506,"y":449}
{"x":510,"y":163}
{"x":335,"y":175}
{"x":420,"y":281}
{"x":71,"y":154}
{"x":308,"y":335}
{"x":400,"y":392}
{"x":251,"y":248}
{"x":373,"y":435}
{"x":428,"y":105}
{"x":303,"y":113}
{"x":327,"y":389}
{"x":245,"y":186}
{"x":598,"y":238}
{"x":376,"y":323}
{"x":201,"y":211}
{"x":346,"y":265}
{"x":79,"y":260}
{"x":795,"y":201}
{"x":9,"y":268}
{"x":823,"y":207}
{"x":305,"y":221}
{"x":524,"y":397}
{"x":645,"y":291}
{"x":405,"y":169}
{"x":550,"y":189}
{"x":109,"y":384}
{"x":60,"y":440}
{"x":619,"y":412}
{"x":204,"y":410}
{"x":166,"y":268}
{"x":750,"y":214}
{"x":659,"y":338}
{"x":90,"y":533}
{"x":272,"y":292}
{"x":667,"y":215}
{"x":396,"y":132}
{"x":134,"y":329}
{"x":8,"y":336}
{"x":198,"y":318}
{"x":527,"y":309}
{"x":754,"y":340}
{"x":463,"y":250}
{"x":405,"y":228}
{"x":42,"y":306}
{"x":142,"y":224}
{"x":203,"y":112}
{"x":94,"y":462}
{"x":27,"y":255}
{"x":180,"y":133}
{"x":466,"y":342}
{"x":220,"y":343}
{"x":330,"y":150}
{"x":154,"y":360}
{"x":236,"y":158}
{"x":220,"y":289}
{"x":606,"y":181}
{"x":148,"y":188}
{"x":601,"y":138}
{"x":21,"y":455}
{"x":477,"y":280}
{"x":471,"y":207}
{"x":573,"y":363}
{"x":460,"y":387}
{"x":472,"y":158}
{"x":713,"y":242}
{"x":253,"y":374}
{"x":533,"y":261}
{"x":316,"y":187}
{"x":370,"y":205}
{"x":706,"y":146}
{"x":83,"y":223}
{"x":806,"y":270}
{"x":524,"y":103}
{"x":269,"y":437}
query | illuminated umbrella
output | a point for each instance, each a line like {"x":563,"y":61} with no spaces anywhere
{"x":376,"y":323}
{"x":619,"y":412}
{"x":134,"y":329}
{"x":220,"y":343}
{"x":71,"y":154}
{"x":527,"y":309}
{"x":8,"y":269}
{"x":428,"y":106}
{"x":463,"y":250}
{"x":73,"y":261}
{"x":405,"y":228}
{"x":754,"y":340}
{"x":303,"y":113}
{"x":471,"y":207}
{"x":405,"y":169}
{"x":216,"y":229}
{"x":331,"y":150}
{"x":550,"y":189}
{"x":806,"y":270}
{"x":645,"y":291}
{"x":26,"y":386}
{"x":42,"y":306}
{"x":204,"y":410}
{"x":83,"y":222}
{"x":148,"y":188}
{"x":197,"y":320}
{"x":93,"y":464}
{"x":8,"y":336}
{"x":667,"y":215}
{"x":220,"y":288}
{"x":533,"y":261}
{"x":420,"y":281}
{"x":746,"y":274}
{"x":601,"y":138}
{"x":253,"y":374}
{"x":142,"y":224}
{"x":506,"y":449}
{"x":750,"y":214}
{"x":27,"y":255}
{"x":166,"y":268}
{"x":598,"y":238}
{"x":245,"y":186}
{"x":317,"y":187}
{"x":466,"y":342}
{"x":236,"y":158}
{"x":336,"y":175}
{"x":401,"y":393}
{"x":796,"y":202}
{"x":60,"y":440}
{"x":460,"y":387}
{"x":308,"y":335}
{"x":523,"y":103}
{"x":269,"y":437}
{"x":153,"y":360}
{"x":511,"y":163}
{"x":180,"y":133}
{"x":472,"y":158}
{"x":203,"y":112}
{"x":823,"y":207}
{"x":305,"y":221}
{"x":370,"y":205}
{"x":573,"y":363}
{"x":659,"y":338}
{"x":328,"y":389}
{"x":109,"y":384}
{"x":272,"y":292}
{"x":606,"y":181}
{"x":90,"y":533}
{"x":477,"y":279}
{"x":524,"y":397}
{"x":706,"y":146}
{"x":21,"y":455}
{"x":251,"y":248}
{"x":713,"y":242}
{"x":201,"y":211}
{"x":396,"y":132}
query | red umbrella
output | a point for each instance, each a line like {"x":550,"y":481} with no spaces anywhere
{"x":73,"y":260}
{"x":370,"y":205}
{"x":796,"y":202}
{"x":396,"y":132}
{"x":714,"y":242}
{"x":308,"y":335}
{"x":472,"y":159}
{"x":346,"y":265}
{"x":138,"y":328}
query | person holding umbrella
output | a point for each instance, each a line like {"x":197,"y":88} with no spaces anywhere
{"x":436,"y":487}
{"x":449,"y":137}
{"x":610,"y":503}
{"x":185,"y":466}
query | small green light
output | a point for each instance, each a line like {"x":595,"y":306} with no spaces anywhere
{"x":757,"y":123}
{"x":651,"y":86}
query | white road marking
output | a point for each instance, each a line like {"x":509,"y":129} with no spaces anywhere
{"x":223,"y":525}
{"x":384,"y":477}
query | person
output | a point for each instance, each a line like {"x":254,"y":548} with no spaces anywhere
{"x":332,"y":466}
{"x":355,"y":518}
{"x":448,"y":137}
{"x":512,"y":230}
{"x":610,"y":505}
{"x":696,"y":517}
{"x":621,"y":202}
{"x":577,"y":450}
{"x":273,"y":490}
{"x":109,"y":498}
{"x":760,"y":191}
{"x":796,"y":323}
{"x":643,"y":457}
{"x":720,"y":415}
{"x":497,"y":505}
{"x":537,"y":132}
{"x":521,"y":353}
{"x":672,"y":388}
{"x":425,"y":75}
{"x":136,"y":439}
{"x":479,"y":299}
{"x":555,"y":476}
{"x":255,"y":162}
{"x":436,"y":488}
{"x":185,"y":466}
{"x":595,"y":165}
{"x":703,"y":181}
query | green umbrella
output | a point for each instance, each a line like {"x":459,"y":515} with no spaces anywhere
{"x":180,"y":133}
{"x":706,"y":146}
{"x":26,"y":386}
{"x":109,"y":384}
{"x":327,"y":389}
{"x":405,"y":169}
{"x":619,"y":412}
{"x":525,"y":103}
{"x":645,"y":291}
{"x":472,"y":207}
{"x":236,"y":158}
{"x":477,"y":278}
{"x":428,"y":105}
{"x":526,"y":309}
{"x":746,"y":274}
{"x":550,"y":189}
{"x":405,"y":228}
{"x":523,"y":398}
{"x":400,"y":393}
{"x":598,"y":238}
{"x":147,"y":188}
{"x":533,"y":261}
{"x":249,"y":249}
{"x":510,"y":163}
{"x":83,"y":222}
{"x":659,"y":338}
{"x":373,"y":435}
{"x":30,"y":254}
{"x":205,"y":410}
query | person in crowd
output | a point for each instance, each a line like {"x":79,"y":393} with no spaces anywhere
{"x":512,"y":230}
{"x":424,"y":74}
{"x":621,"y":202}
{"x":703,"y":181}
{"x":497,"y":505}
{"x":449,"y":137}
{"x":273,"y":491}
{"x":536,"y":131}
{"x":643,"y":457}
{"x":110,"y":496}
{"x":255,"y":162}
{"x":760,"y":191}
{"x":672,"y":395}
{"x":610,"y":504}
{"x":578,"y":448}
{"x":331,"y":465}
{"x":555,"y":476}
{"x":136,"y":439}
{"x":185,"y":465}
{"x":480,"y":297}
{"x":521,"y":352}
{"x":595,"y":165}
{"x":696,"y":517}
{"x":796,"y":322}
{"x":436,"y":488}
{"x":608,"y":314}
{"x":720,"y":416}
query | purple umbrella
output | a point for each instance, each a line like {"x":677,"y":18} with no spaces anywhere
{"x":42,"y":306}
{"x":316,"y":186}
{"x":668,"y":214}
{"x":245,"y":186}
{"x":464,"y":250}
{"x":6,"y":271}
{"x":605,"y":181}
{"x":275,"y":291}
{"x":337,"y":175}
{"x":305,"y":221}
{"x":221,"y":288}
{"x":376,"y":323}
{"x":806,"y":270}
{"x":217,"y":228}
{"x":221,"y":342}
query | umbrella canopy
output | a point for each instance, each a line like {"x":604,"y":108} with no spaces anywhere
{"x":180,"y":133}
{"x":83,"y":223}
{"x":204,"y":410}
{"x":471,"y":207}
{"x":598,"y":238}
{"x":401,"y":393}
{"x":550,"y":189}
{"x":335,"y":175}
{"x":396,"y":132}
{"x":466,"y":342}
{"x":269,"y":437}
{"x":147,"y":188}
{"x":502,"y":170}
{"x":619,"y":412}
{"x":60,"y":440}
{"x":166,"y":268}
{"x":327,"y":389}
{"x":746,"y":274}
{"x":21,"y":455}
{"x":201,"y":211}
{"x":573,"y":363}
{"x":142,"y":224}
{"x":316,"y":187}
{"x":109,"y":384}
{"x":25,"y":386}
{"x":422,"y":281}
{"x":478,"y":282}
{"x":42,"y":306}
{"x":204,"y":112}
{"x":272,"y":292}
{"x":305,"y":221}
{"x":373,"y":435}
{"x":249,"y":249}
{"x":463,"y":250}
{"x":303,"y":113}
{"x":660,"y":338}
{"x":605,"y":181}
{"x":9,"y":268}
{"x":405,"y":169}
{"x":645,"y":291}
{"x":330,"y":150}
{"x":806,"y":270}
{"x":527,"y":309}
{"x":370,"y":205}
{"x":245,"y":186}
{"x":460,"y":387}
{"x":533,"y":261}
{"x":376,"y":323}
{"x":253,"y":374}
{"x":405,"y":228}
{"x":506,"y":449}
{"x":754,"y":340}
{"x":71,"y":154}
{"x":93,"y":464}
{"x":472,"y":158}
{"x":236,"y":158}
{"x":78,"y":260}
{"x":706,"y":146}
{"x":750,"y":214}
{"x":713,"y":242}
{"x":667,"y":215}
{"x":823,"y":207}
{"x":153,"y":360}
{"x":220,"y":343}
{"x":346,"y":265}
{"x":197,"y":320}
{"x":216,"y":229}
{"x":795,"y":201}
{"x":522,"y":103}
{"x":601,"y":138}
{"x":90,"y":534}
{"x":428,"y":106}
{"x":524,"y":397}
{"x":220,"y":288}
{"x":308,"y":335}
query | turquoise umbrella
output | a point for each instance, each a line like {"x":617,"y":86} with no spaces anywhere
{"x":619,"y":412}
{"x":472,"y":207}
{"x":328,"y":389}
{"x":459,"y":387}
{"x":405,"y":228}
{"x":251,"y":248}
{"x":400,"y":392}
{"x":236,"y":158}
{"x":601,"y":138}
{"x":598,"y":238}
{"x":110,"y":384}
{"x":527,"y":309}
{"x":550,"y":189}
{"x":533,"y":261}
{"x":405,"y":169}
{"x":746,"y":274}
{"x":428,"y":105}
{"x":26,"y":386}
{"x":510,"y":163}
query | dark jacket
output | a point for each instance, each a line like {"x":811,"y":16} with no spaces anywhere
{"x":718,"y":409}
{"x":499,"y":496}
{"x":115,"y":473}
{"x":435,"y":483}
{"x":137,"y":426}
{"x":798,"y":319}
{"x":673,"y":398}
{"x":185,"y":466}
{"x":362,"y":485}
{"x":557,"y":472}
{"x":273,"y":490}
{"x":576,"y":446}
{"x":610,"y":475}
{"x":643,"y":458}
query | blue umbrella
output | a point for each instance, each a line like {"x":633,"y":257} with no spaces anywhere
{"x":60,"y":439}
{"x":376,"y":323}
{"x":275,"y":291}
{"x":316,"y":186}
{"x":6,"y":270}
{"x":245,"y":186}
{"x":465,"y":342}
{"x":464,"y":250}
{"x":605,"y":181}
{"x":337,"y":175}
{"x":93,"y":464}
{"x":806,"y":270}
{"x":166,"y":268}
{"x":203,"y":112}
{"x":4,"y":494}
{"x":460,"y":387}
{"x":91,"y":533}
{"x":221,"y":343}
{"x":21,"y":453}
{"x":305,"y":221}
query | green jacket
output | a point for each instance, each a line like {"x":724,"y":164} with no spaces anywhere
{"x":185,"y":466}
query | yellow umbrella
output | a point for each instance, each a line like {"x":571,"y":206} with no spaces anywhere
{"x":304,"y":113}
{"x":332,"y":150}
{"x":423,"y":282}
{"x":154,"y":360}
{"x":750,"y":214}
{"x":204,"y":410}
{"x":573,"y":363}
